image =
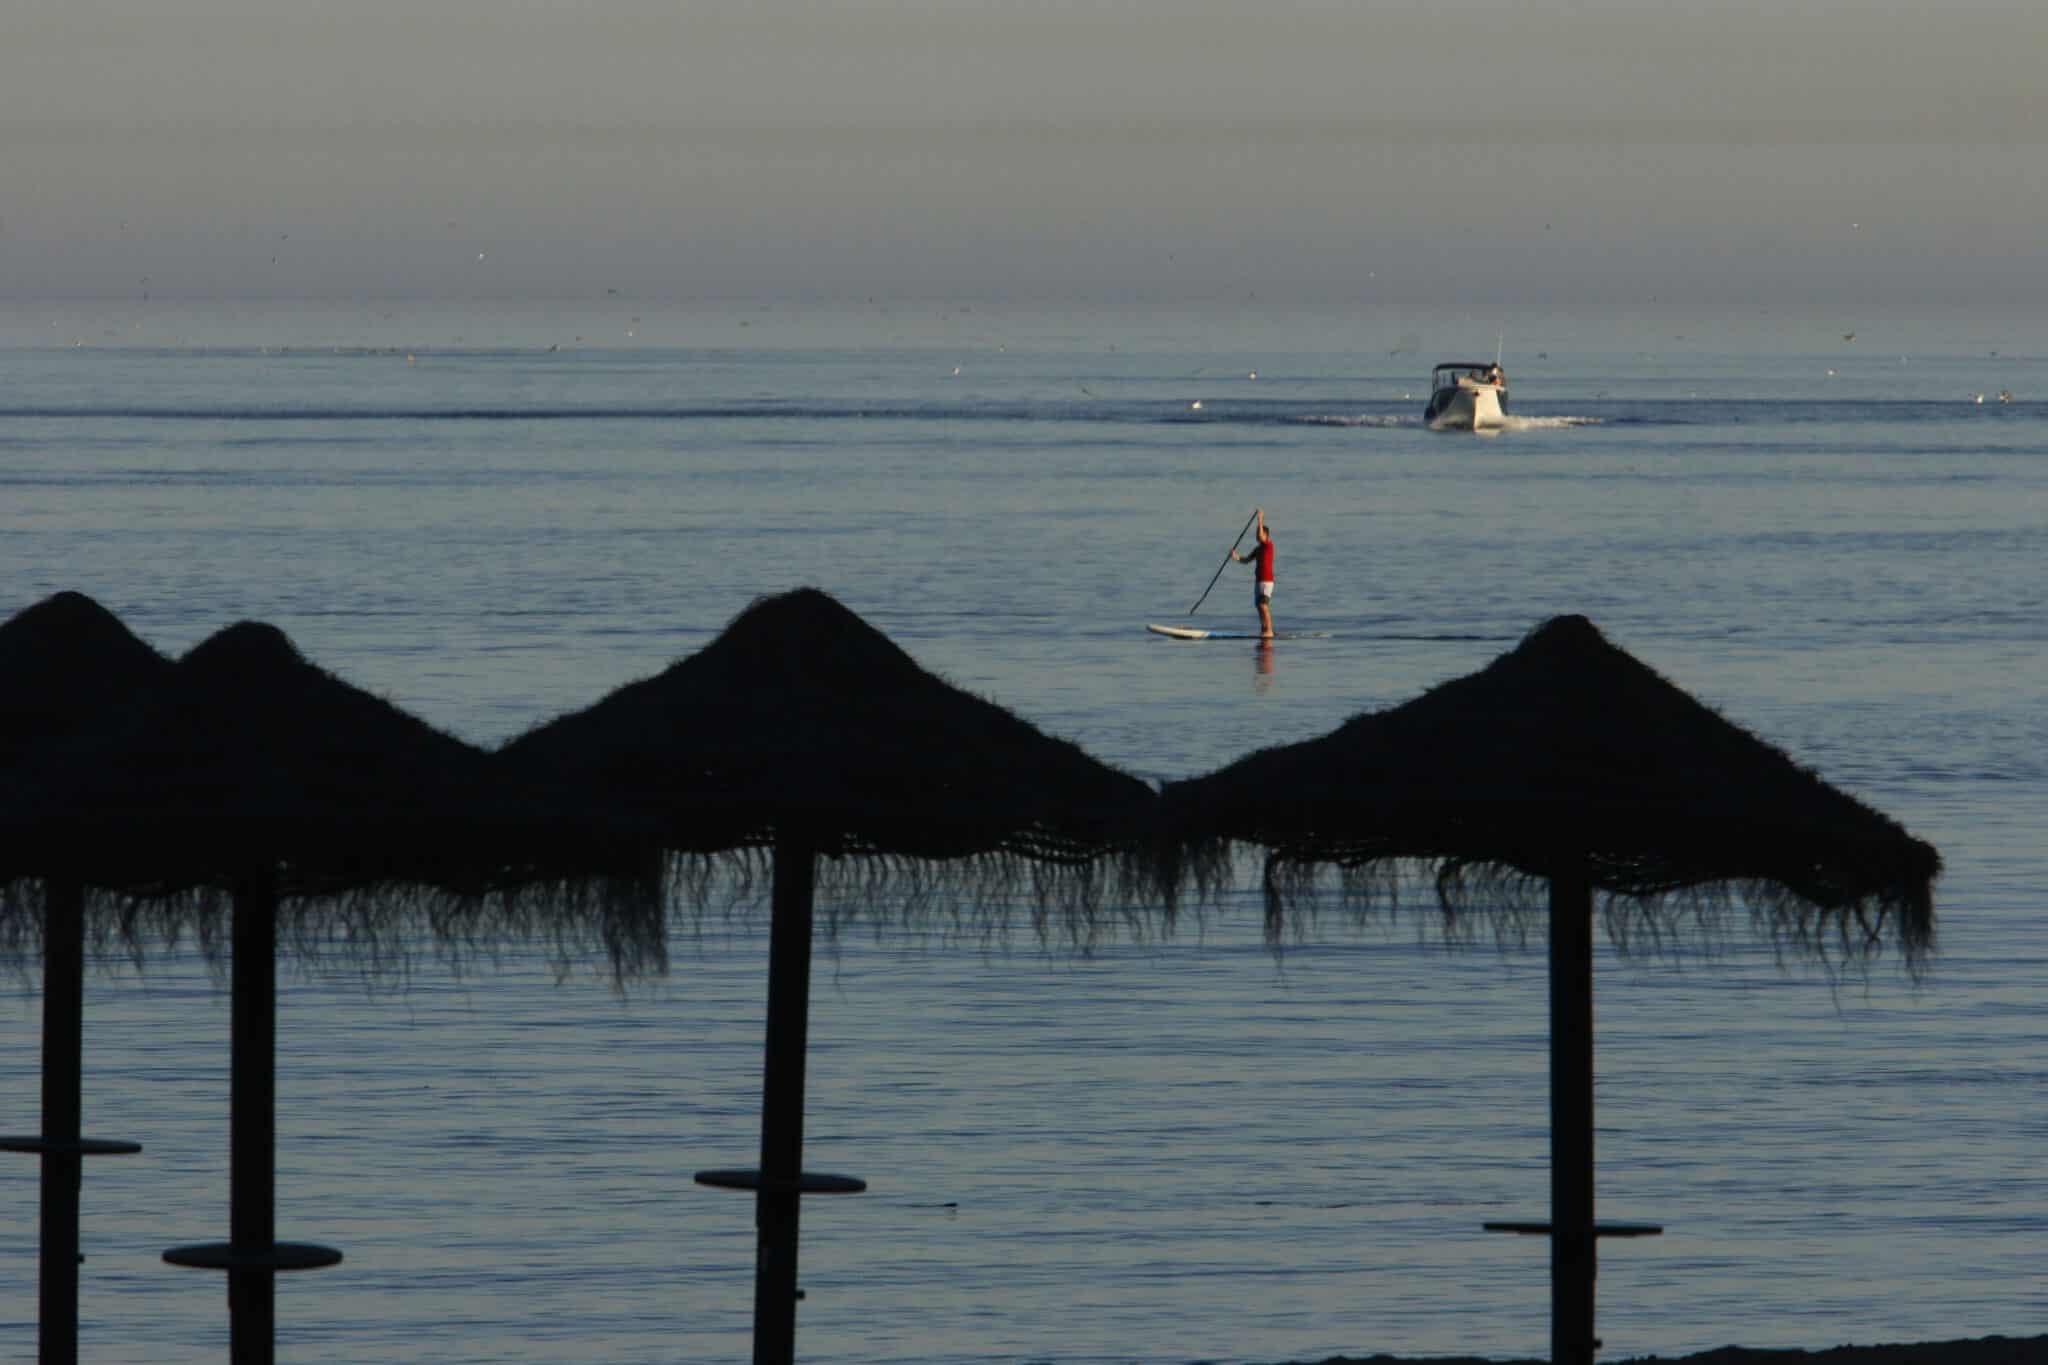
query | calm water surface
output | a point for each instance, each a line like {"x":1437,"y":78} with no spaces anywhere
{"x":1178,"y":1148}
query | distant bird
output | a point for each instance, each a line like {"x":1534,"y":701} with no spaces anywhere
{"x":1831,"y":374}
{"x":956,"y":369}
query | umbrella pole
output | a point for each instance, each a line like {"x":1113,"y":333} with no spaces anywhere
{"x":252,"y":1122}
{"x":782,"y":1101}
{"x":63,"y":1052}
{"x":58,"y":1142}
{"x":1571,"y":1117}
{"x":252,"y":1256}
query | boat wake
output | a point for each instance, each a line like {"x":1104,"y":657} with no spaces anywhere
{"x":1361,"y":420}
{"x":1512,"y":422}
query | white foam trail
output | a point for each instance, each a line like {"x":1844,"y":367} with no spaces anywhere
{"x":1362,"y":420}
{"x":1512,"y":422}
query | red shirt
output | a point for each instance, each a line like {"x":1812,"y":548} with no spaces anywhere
{"x":1265,"y":553}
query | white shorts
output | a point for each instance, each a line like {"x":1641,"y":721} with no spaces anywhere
{"x":1263,"y":592}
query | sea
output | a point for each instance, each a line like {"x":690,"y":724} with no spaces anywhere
{"x":1184,"y":1144}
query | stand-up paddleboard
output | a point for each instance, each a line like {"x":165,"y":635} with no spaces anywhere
{"x":1206,"y":633}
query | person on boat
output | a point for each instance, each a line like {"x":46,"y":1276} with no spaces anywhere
{"x":1262,"y":574}
{"x":1496,"y":375}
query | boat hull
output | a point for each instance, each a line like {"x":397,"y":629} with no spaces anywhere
{"x":1467,"y":406}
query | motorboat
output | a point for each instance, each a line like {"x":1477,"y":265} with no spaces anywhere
{"x":1466,"y":396}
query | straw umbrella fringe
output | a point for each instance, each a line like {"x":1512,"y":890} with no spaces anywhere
{"x":1566,"y":764}
{"x":802,"y":733}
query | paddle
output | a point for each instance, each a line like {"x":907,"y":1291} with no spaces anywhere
{"x":1226,"y":560}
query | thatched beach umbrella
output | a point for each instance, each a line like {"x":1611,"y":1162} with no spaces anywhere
{"x":64,"y":663}
{"x":803,"y":730}
{"x":309,"y":801}
{"x":1566,"y":762}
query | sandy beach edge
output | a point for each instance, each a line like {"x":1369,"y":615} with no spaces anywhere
{"x":1994,"y":1350}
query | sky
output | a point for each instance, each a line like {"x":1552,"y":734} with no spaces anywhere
{"x":1526,"y":152}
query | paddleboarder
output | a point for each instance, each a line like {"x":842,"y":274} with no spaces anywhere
{"x":1262,"y":575}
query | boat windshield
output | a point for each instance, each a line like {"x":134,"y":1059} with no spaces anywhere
{"x":1446,"y":376}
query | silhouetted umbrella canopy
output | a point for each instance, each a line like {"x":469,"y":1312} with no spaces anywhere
{"x":67,"y":665}
{"x":1564,"y":748}
{"x":802,"y":717}
{"x":63,"y":662}
{"x":249,"y":757}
